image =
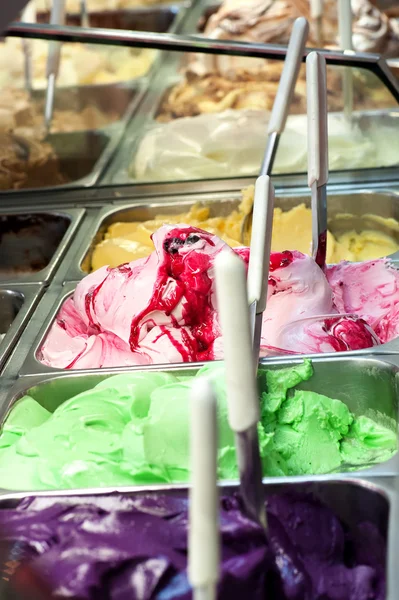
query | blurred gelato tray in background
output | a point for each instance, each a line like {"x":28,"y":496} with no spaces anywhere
{"x":231,"y":144}
{"x":322,"y":537}
{"x":17,"y":302}
{"x":62,"y":159}
{"x":75,"y":109}
{"x":132,"y":427}
{"x":87,"y":125}
{"x":81,"y":64}
{"x":33,"y":243}
{"x":362,"y":226}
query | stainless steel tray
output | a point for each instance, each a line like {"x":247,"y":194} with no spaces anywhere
{"x":84,"y":155}
{"x":17,"y":303}
{"x":121,"y":170}
{"x":364,"y":383}
{"x":358,"y":204}
{"x":117,"y":99}
{"x":352,"y":500}
{"x":32,"y":243}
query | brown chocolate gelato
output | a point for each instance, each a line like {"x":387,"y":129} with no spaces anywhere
{"x":18,"y":111}
{"x":26,"y":160}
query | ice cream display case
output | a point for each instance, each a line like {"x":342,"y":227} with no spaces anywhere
{"x":32,"y":244}
{"x":74,"y":434}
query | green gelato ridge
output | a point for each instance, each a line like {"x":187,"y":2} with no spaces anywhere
{"x":133,"y":429}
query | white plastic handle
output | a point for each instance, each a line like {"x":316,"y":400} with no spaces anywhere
{"x":261,"y":242}
{"x":29,"y":14}
{"x":289,"y":76}
{"x":232,"y":299}
{"x":204,"y":543}
{"x":57,"y":18}
{"x":345,"y":25}
{"x":316,"y":9}
{"x":316,"y":89}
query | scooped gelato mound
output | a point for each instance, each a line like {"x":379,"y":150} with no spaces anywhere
{"x":133,"y":429}
{"x":162,"y":309}
{"x":122,"y":547}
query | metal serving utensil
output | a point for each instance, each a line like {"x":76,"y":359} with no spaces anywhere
{"x":53,"y":63}
{"x":317,"y":152}
{"x":241,"y":383}
{"x":281,"y":105}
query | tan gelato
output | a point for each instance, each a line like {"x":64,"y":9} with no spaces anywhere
{"x":124,"y":242}
{"x":24,"y":116}
{"x":27,"y":162}
{"x":255,"y":90}
{"x":200,"y":94}
{"x":81,"y":64}
{"x":25,"y":159}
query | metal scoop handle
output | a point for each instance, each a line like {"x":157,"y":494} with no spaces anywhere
{"x":316,"y":87}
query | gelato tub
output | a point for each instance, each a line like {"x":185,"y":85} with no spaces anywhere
{"x":210,"y":146}
{"x":17,"y":303}
{"x":130,"y":427}
{"x":64,"y":159}
{"x":87,"y":125}
{"x":84,"y":107}
{"x":363,"y":225}
{"x":81,"y":64}
{"x":324,"y":533}
{"x":32,"y":244}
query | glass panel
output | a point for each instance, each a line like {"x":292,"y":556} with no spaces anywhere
{"x":125,"y":115}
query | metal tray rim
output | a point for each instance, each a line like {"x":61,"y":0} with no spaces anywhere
{"x":32,"y":293}
{"x":44,"y":275}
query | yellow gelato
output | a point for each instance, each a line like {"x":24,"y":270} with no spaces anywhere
{"x":81,"y":64}
{"x":124,"y":242}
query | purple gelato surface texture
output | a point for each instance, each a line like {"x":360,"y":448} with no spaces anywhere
{"x":125,"y":547}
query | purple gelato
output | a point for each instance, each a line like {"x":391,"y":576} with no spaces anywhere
{"x":118,"y":547}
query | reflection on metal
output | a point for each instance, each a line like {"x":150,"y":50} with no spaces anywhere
{"x":17,"y":303}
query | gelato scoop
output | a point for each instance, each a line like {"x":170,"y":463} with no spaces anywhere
{"x":133,"y":429}
{"x":162,"y":309}
{"x":121,"y":547}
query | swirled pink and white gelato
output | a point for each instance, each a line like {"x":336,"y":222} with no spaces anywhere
{"x":163,"y":309}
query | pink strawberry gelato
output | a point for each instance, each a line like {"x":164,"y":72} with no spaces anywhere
{"x":162,"y":309}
